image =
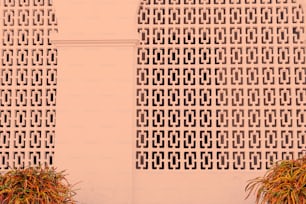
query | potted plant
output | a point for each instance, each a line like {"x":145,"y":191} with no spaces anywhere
{"x":284,"y":183}
{"x":35,"y":185}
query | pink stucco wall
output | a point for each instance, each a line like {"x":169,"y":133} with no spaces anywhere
{"x":96,"y":115}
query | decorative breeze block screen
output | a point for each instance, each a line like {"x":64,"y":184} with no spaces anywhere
{"x":28,"y":78}
{"x":221,"y":84}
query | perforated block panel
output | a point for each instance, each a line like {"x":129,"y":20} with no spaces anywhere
{"x":221,"y":84}
{"x":28,"y":79}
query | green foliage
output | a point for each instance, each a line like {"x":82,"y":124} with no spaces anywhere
{"x":284,"y":183}
{"x":35,"y":186}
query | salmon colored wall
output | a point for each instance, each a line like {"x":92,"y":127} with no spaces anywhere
{"x":96,"y":97}
{"x":97,"y":19}
{"x":96,"y":113}
{"x":94,"y":123}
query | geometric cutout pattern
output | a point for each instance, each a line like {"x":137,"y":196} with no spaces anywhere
{"x":28,"y":83}
{"x":221,"y":84}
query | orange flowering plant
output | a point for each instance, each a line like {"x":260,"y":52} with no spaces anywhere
{"x":284,"y":183}
{"x":35,"y":185}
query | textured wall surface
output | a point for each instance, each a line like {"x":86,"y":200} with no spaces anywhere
{"x":96,"y":136}
{"x":221,"y":84}
{"x":28,"y":83}
{"x":220,"y":94}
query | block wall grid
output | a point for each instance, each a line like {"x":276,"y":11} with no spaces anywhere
{"x":28,"y":83}
{"x":221,"y":84}
{"x":197,"y":112}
